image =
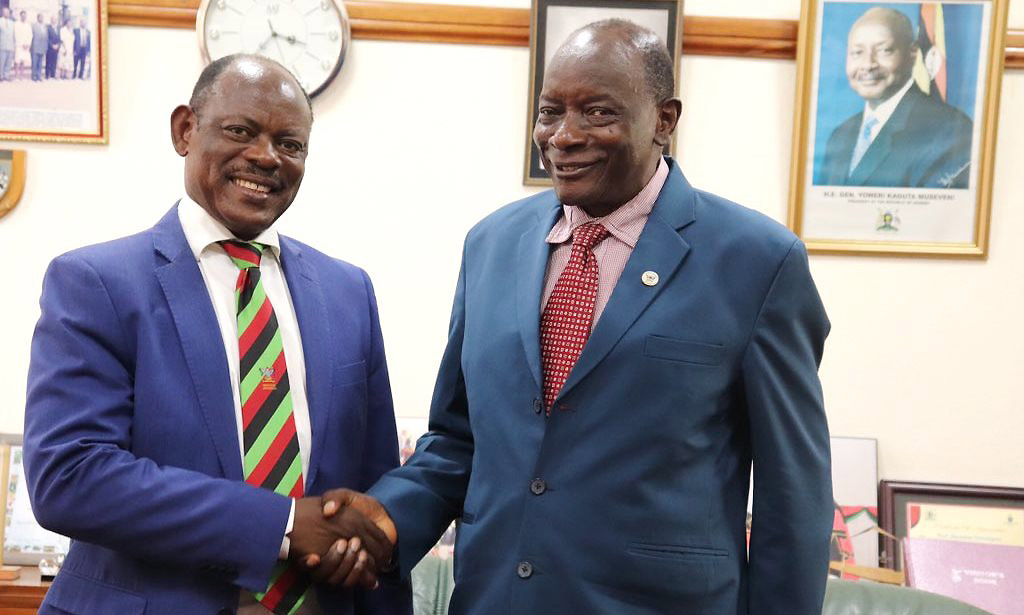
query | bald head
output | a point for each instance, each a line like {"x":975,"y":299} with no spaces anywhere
{"x":621,"y":40}
{"x":251,"y":65}
{"x":880,"y":54}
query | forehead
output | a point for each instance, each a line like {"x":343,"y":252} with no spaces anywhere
{"x":259,"y":93}
{"x":872,"y":31}
{"x":612,"y":70}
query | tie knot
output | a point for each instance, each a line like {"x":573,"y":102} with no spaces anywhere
{"x":245,"y":254}
{"x":589,"y":235}
{"x":869,"y":125}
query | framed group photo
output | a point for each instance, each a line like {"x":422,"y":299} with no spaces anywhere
{"x":895,"y":125}
{"x":54,"y":88}
{"x":551,"y":23}
{"x":958,"y":513}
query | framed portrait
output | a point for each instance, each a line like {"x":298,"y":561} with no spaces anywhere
{"x":55,"y":82}
{"x":895,"y":125}
{"x":959,"y":513}
{"x":552,"y":21}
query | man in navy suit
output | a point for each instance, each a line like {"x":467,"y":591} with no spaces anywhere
{"x":52,"y":47}
{"x":620,"y":350}
{"x":190,"y":384}
{"x":903,"y":137}
{"x":82,"y":45}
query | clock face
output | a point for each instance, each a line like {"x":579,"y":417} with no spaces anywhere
{"x":308,"y":37}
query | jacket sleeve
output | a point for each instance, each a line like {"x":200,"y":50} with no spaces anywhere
{"x":85,"y":482}
{"x":394,"y":596}
{"x":426,"y":494}
{"x":792,"y":514}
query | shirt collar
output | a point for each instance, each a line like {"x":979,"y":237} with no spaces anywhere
{"x":625,"y":223}
{"x":202,"y":231}
{"x":884,"y":110}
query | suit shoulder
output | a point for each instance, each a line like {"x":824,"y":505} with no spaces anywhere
{"x":514,"y":215}
{"x":110,"y":257}
{"x":325,"y":263}
{"x":740,"y":228}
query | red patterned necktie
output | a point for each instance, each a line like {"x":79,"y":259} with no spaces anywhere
{"x":567,"y":319}
{"x":271,"y":447}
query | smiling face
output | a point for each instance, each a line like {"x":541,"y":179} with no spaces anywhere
{"x":599,"y":130}
{"x":245,"y":148}
{"x":880,"y":56}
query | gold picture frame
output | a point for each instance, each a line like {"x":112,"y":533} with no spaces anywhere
{"x":551,"y":21}
{"x":71,"y":106}
{"x":917,"y":181}
{"x":12,"y":179}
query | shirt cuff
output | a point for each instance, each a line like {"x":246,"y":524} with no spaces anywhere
{"x":286,"y":543}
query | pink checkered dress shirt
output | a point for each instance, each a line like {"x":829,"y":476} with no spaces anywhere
{"x":625,"y":225}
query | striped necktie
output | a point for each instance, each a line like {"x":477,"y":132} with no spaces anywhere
{"x":270,"y":445}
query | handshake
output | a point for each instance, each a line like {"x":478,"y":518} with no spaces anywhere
{"x":342,"y":538}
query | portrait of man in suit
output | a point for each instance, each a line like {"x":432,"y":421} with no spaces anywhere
{"x":195,"y":387}
{"x":902,"y":137}
{"x":621,"y":350}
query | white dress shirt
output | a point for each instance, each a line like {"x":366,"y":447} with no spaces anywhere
{"x":220,"y":274}
{"x":884,"y":110}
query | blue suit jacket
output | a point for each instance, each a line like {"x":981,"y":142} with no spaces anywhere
{"x":925,"y":144}
{"x":631,"y":497}
{"x":131,"y":447}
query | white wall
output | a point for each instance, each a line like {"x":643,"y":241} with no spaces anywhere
{"x":427,"y":138}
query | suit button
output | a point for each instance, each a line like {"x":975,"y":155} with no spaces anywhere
{"x":524,"y":570}
{"x":538,"y":486}
{"x":538,"y":406}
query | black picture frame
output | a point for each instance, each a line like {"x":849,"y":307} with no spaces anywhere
{"x":552,"y":20}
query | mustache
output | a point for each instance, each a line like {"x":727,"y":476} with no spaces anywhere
{"x":254,"y":171}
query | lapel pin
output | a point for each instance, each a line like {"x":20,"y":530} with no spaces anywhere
{"x":649,"y":278}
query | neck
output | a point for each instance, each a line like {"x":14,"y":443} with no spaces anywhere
{"x":601,"y":210}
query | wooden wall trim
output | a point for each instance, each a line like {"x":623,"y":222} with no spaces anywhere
{"x":480,"y":25}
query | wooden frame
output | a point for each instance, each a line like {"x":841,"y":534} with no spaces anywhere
{"x":931,"y":165}
{"x":65,"y":110}
{"x":553,"y":20}
{"x":12,"y":165}
{"x":483,"y":25}
{"x":895,"y":496}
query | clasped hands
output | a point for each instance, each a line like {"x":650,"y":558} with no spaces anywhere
{"x":342,"y":538}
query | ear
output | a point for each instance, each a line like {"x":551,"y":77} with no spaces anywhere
{"x":668,"y":116}
{"x":183,"y":126}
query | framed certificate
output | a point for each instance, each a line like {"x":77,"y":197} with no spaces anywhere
{"x":25,"y":543}
{"x":960,"y":513}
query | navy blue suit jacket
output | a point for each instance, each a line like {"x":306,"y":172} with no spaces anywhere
{"x":131,"y":447}
{"x":631,"y":497}
{"x":925,"y":144}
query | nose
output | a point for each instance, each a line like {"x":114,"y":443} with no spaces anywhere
{"x":568,"y":132}
{"x":262,"y":153}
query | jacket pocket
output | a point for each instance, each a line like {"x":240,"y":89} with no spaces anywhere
{"x":352,"y":373}
{"x":666,"y":551}
{"x":79,"y":595}
{"x":700,"y":353}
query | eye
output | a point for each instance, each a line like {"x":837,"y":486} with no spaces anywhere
{"x":238,"y":131}
{"x":293,"y":147}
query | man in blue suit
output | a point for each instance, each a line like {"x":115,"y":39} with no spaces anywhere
{"x":903,"y":137}
{"x":620,"y":350}
{"x":191,"y":383}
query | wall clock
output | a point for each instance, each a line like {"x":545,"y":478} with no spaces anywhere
{"x":309,"y":37}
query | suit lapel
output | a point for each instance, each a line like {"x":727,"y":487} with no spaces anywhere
{"x":314,"y":328}
{"x":881,"y":147}
{"x":660,"y":249}
{"x":196,"y":323}
{"x":533,"y":263}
